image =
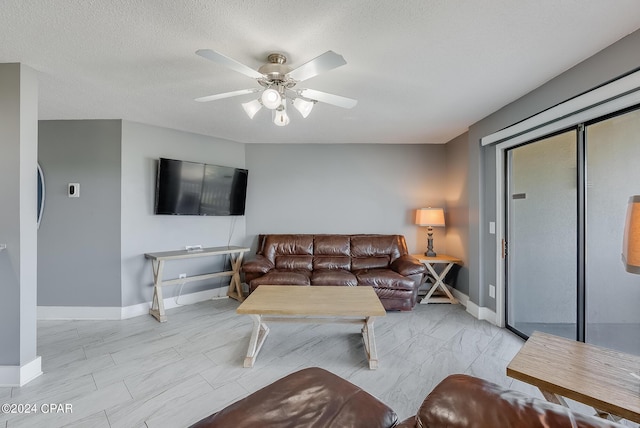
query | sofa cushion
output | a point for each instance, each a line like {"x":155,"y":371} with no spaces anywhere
{"x":294,"y":262}
{"x":376,"y":246}
{"x":282,"y":245}
{"x":332,"y":262}
{"x":371,"y":262}
{"x":309,"y":398}
{"x":333,"y":277}
{"x":384,"y":278}
{"x":332,"y":245}
{"x":279,"y":277}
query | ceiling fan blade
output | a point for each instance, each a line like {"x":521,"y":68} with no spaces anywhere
{"x":226,"y":95}
{"x":324,"y":97}
{"x":325,"y":62}
{"x":219,"y":58}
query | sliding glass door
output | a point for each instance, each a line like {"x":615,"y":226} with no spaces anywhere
{"x":541,"y":234}
{"x":613,"y":175}
{"x":566,"y":198}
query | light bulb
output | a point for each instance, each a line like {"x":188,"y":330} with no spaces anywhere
{"x":271,"y":99}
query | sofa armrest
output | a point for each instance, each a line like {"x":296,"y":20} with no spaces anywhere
{"x":464,"y":401}
{"x":258,"y":265}
{"x":408,"y":265}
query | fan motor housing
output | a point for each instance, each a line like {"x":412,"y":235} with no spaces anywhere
{"x":275,"y":69}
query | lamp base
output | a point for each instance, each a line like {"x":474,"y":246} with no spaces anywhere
{"x":430,"y":252}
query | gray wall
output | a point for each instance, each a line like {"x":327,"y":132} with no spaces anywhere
{"x":143,"y":232}
{"x":612,"y":62}
{"x":79,"y":238}
{"x":345,"y":188}
{"x":18,"y":187}
{"x":457,"y":202}
{"x":92,"y":248}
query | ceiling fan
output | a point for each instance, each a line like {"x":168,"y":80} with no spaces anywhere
{"x":278,"y":82}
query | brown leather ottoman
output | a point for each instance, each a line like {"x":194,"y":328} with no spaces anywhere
{"x":310,"y":398}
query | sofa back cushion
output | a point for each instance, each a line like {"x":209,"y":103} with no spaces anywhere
{"x":375,"y":251}
{"x":294,"y":262}
{"x":332,"y":252}
{"x":289,"y":251}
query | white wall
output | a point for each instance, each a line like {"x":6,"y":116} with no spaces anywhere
{"x":344,"y":188}
{"x":143,"y":232}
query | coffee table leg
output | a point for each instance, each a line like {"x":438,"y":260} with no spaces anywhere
{"x":558,"y":399}
{"x":553,"y":398}
{"x":258,"y":335}
{"x":370,"y":343}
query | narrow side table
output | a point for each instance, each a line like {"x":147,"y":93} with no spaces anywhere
{"x":429,"y":262}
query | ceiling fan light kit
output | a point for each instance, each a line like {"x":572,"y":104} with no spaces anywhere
{"x":252,"y":107}
{"x":303,"y":106}
{"x":280,"y":116}
{"x":278,"y":81}
{"x":271,"y":99}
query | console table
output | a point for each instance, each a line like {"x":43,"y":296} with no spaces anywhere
{"x":429,"y":262}
{"x":599,"y":377}
{"x":157,"y":264}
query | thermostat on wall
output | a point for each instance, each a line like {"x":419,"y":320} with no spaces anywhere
{"x":73,"y":190}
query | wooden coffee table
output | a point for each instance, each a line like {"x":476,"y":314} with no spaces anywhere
{"x":314,"y":304}
{"x":598,"y":377}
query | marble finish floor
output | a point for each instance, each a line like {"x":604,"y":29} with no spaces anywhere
{"x":139,"y":373}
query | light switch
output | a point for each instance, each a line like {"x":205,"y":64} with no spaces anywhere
{"x":492,"y":227}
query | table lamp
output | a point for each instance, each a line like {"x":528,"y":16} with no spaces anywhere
{"x":430,"y":217}
{"x":631,"y":238}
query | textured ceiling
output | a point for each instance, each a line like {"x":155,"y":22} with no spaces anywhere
{"x":421,"y":70}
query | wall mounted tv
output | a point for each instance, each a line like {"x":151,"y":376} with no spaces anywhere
{"x":191,"y":188}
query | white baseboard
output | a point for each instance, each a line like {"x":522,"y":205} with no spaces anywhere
{"x":121,"y":313}
{"x":20,"y":375}
{"x":462,"y":298}
{"x":481,"y":313}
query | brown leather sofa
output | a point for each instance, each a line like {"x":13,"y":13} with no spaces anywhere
{"x":379,"y":261}
{"x":316,"y":398}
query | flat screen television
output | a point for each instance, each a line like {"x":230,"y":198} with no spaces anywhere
{"x":192,"y":188}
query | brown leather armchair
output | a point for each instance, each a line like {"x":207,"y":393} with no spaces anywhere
{"x":379,"y":261}
{"x":316,"y":398}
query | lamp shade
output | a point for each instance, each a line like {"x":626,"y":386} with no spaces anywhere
{"x":631,"y":238}
{"x":303,"y":106}
{"x":251,"y":108}
{"x":280,"y":116}
{"x":430,"y":217}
